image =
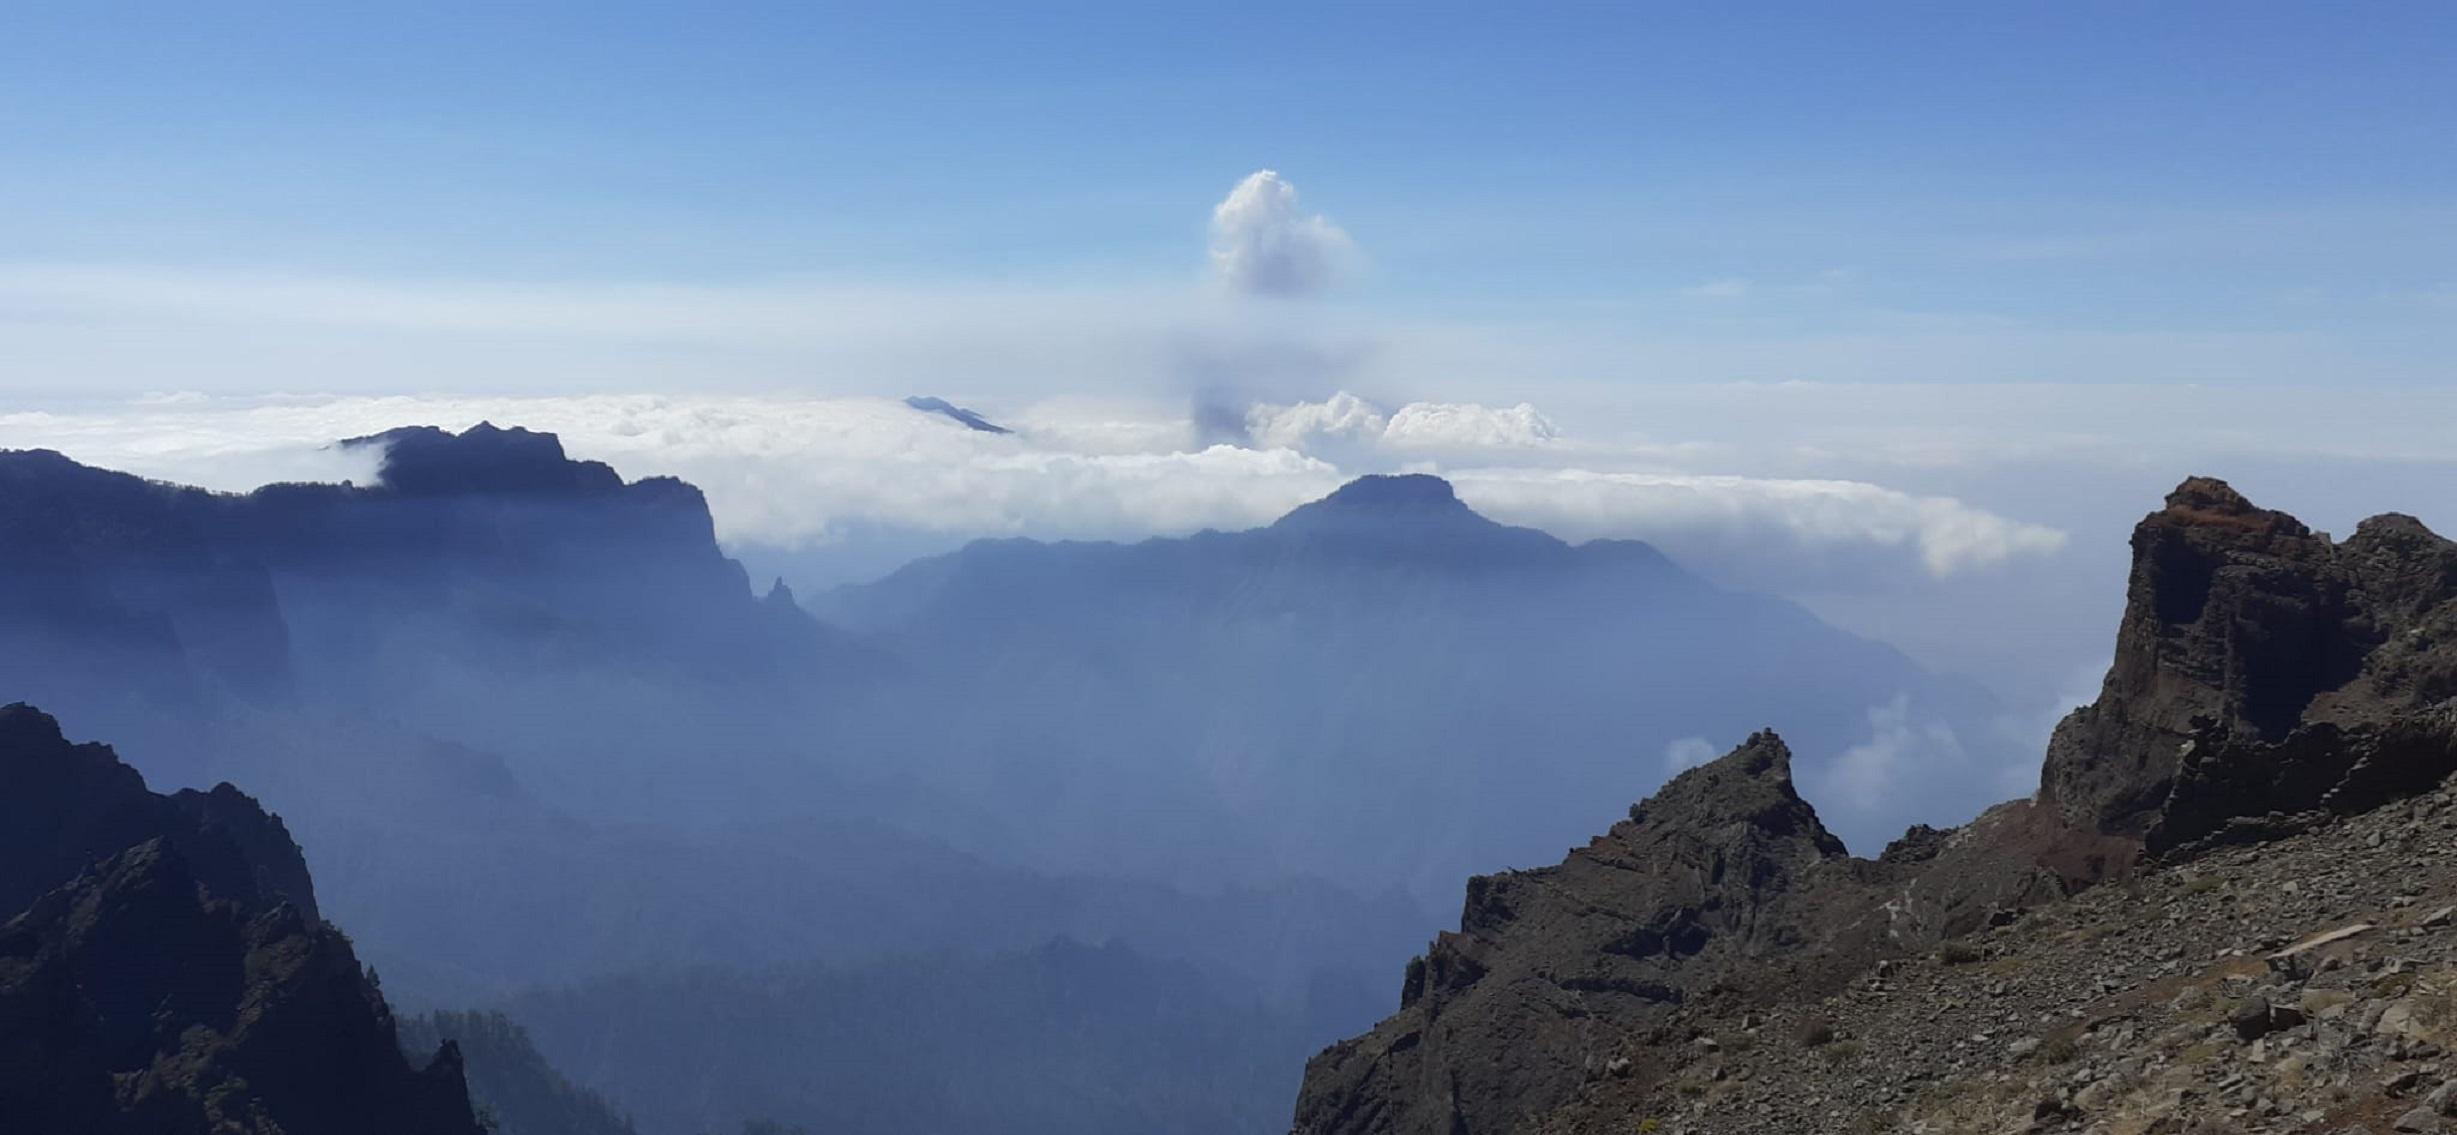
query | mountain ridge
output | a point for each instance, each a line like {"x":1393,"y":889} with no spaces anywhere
{"x":2208,"y":732}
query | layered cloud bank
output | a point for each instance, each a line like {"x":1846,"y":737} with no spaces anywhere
{"x":802,"y":472}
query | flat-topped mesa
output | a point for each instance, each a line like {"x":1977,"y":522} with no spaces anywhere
{"x":485,"y":458}
{"x":2259,"y":669}
{"x":1379,"y":516}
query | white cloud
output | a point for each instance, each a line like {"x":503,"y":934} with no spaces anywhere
{"x":797,"y":470}
{"x":1947,"y":536}
{"x":776,"y":470}
{"x":1342,"y":415}
{"x":1902,"y":758}
{"x":1416,"y":426}
{"x":1465,"y":425}
{"x":1263,"y":244}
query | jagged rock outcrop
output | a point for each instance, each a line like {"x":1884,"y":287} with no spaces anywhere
{"x":66,"y":807}
{"x":171,"y":977}
{"x":1500,"y":1021}
{"x":2265,"y":679}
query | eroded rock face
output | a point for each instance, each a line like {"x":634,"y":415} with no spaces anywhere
{"x":172,"y":975}
{"x":2265,"y":679}
{"x":65,"y":807}
{"x":1499,"y":1019}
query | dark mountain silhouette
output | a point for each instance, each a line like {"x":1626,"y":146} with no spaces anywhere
{"x":173,"y":977}
{"x":958,"y":414}
{"x":2266,"y":681}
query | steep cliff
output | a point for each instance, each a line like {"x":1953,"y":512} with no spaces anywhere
{"x":171,"y":977}
{"x":2264,"y":677}
{"x":2265,"y":681}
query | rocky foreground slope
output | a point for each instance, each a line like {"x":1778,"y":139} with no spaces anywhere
{"x":166,"y":974}
{"x":2228,"y":908}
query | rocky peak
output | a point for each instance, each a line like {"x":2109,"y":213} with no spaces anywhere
{"x":165,"y":970}
{"x":1749,"y":787}
{"x":954,"y":413}
{"x":1705,"y":876}
{"x":1394,"y":493}
{"x":1414,"y":510}
{"x":2266,"y":683}
{"x":69,"y":806}
{"x":2249,"y":646}
{"x":427,"y":461}
{"x":2208,"y":501}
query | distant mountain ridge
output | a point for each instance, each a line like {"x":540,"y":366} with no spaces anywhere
{"x":1361,"y":689}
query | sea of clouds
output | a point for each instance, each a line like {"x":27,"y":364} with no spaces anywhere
{"x":801,"y":472}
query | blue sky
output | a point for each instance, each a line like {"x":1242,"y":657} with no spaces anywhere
{"x":1900,"y":309}
{"x":2196,"y":168}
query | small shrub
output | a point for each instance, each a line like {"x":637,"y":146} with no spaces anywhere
{"x":1816,"y":1034}
{"x":2059,"y":1050}
{"x":1958,"y":953}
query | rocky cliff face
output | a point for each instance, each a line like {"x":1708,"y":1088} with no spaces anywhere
{"x":69,"y":806}
{"x":2266,"y":680}
{"x":167,"y":973}
{"x":484,"y":541}
{"x":1698,"y":880}
{"x":2265,"y":677}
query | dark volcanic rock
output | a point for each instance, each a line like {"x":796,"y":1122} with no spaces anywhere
{"x":2265,"y":679}
{"x":1501,"y":1019}
{"x":171,"y":977}
{"x":67,"y":807}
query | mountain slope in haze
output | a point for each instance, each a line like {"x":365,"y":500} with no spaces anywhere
{"x":516,"y":1091}
{"x":538,"y":729}
{"x":515,"y":702}
{"x":173,"y":977}
{"x":1062,"y":1039}
{"x":1382,"y":686}
{"x":483,"y":575}
{"x":2267,"y":684}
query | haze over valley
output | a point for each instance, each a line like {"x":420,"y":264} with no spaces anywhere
{"x":779,"y":571}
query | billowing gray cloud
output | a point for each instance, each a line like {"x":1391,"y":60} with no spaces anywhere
{"x":1263,"y":244}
